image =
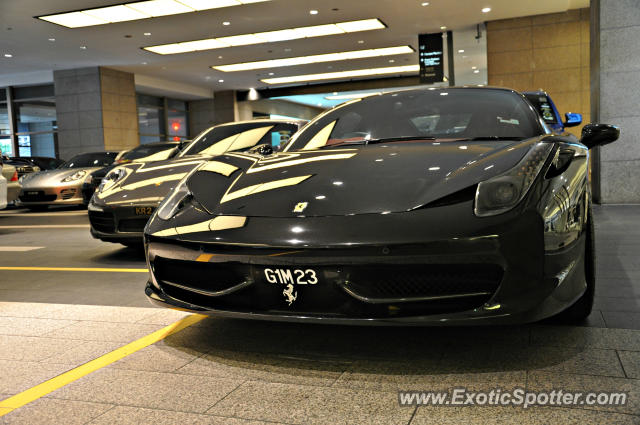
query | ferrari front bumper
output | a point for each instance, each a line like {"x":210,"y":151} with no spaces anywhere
{"x":531,"y":284}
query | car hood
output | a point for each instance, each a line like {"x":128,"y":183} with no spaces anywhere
{"x":380,"y":178}
{"x":53,"y":177}
{"x":147,"y":183}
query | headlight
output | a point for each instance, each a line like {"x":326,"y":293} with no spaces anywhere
{"x":112,"y":177}
{"x":75,"y":176}
{"x":501,"y":193}
{"x":174,"y":202}
{"x":176,"y":199}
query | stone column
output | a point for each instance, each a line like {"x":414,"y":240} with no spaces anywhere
{"x":616,"y":90}
{"x":207,"y":112}
{"x":96,"y":110}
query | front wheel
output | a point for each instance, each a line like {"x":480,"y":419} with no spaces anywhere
{"x":581,"y":309}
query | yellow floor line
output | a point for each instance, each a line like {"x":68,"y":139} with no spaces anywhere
{"x":75,"y":269}
{"x":34,"y":393}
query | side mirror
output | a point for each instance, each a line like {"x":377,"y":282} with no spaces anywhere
{"x":599,"y":134}
{"x":264,"y":150}
{"x":572,"y":120}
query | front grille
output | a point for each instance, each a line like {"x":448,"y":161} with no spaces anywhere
{"x":67,"y":193}
{"x":132,"y":224}
{"x":421,"y":280}
{"x":39,"y":197}
{"x":102,"y":221}
{"x":211,"y":277}
{"x":374,"y":290}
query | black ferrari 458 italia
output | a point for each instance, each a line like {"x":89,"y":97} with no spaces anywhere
{"x":431,"y":206}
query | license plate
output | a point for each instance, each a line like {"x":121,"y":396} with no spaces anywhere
{"x":291,"y":276}
{"x":144,"y":210}
{"x":32,"y":193}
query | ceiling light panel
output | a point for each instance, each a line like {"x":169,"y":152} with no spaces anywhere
{"x":273,"y":36}
{"x":343,"y":74}
{"x":304,"y":60}
{"x":155,"y":8}
{"x":137,"y":10}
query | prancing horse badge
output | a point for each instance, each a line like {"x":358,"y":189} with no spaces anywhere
{"x":300,"y":207}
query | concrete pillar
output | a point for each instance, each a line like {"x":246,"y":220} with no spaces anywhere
{"x":96,"y":110}
{"x":615,"y":94}
{"x":207,"y":112}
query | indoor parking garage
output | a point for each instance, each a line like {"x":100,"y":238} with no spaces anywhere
{"x":319,"y":212}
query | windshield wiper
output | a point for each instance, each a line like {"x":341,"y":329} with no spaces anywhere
{"x":399,"y":139}
{"x":470,"y":139}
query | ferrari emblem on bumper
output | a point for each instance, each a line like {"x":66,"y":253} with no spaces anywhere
{"x":290,"y":294}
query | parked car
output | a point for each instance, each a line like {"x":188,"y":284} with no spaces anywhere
{"x":143,"y":153}
{"x":42,"y":162}
{"x":10,"y":173}
{"x":129,"y":194}
{"x":445,"y":206}
{"x":63,"y":185}
{"x":22,"y":166}
{"x":3,"y":189}
{"x":545,"y":107}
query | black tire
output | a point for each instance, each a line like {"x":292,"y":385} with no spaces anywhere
{"x":581,"y":309}
{"x":35,"y":208}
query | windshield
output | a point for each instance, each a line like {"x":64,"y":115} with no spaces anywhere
{"x":447,"y":114}
{"x":155,"y":152}
{"x":240,"y":137}
{"x":86,"y":160}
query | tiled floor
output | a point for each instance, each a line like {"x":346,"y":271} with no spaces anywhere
{"x":221,"y":371}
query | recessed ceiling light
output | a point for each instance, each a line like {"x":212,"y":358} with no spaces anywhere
{"x":360,"y":41}
{"x":136,"y":10}
{"x":461,"y":51}
{"x":477,"y":71}
{"x":474,"y":67}
{"x":443,"y":27}
{"x":8,"y":55}
{"x":303,"y":60}
{"x":144,"y":63}
{"x":343,"y":74}
{"x":425,"y":3}
{"x":313,"y":12}
{"x":83,"y":47}
{"x":221,"y":81}
{"x":392,"y":60}
{"x":226,"y":23}
{"x":486,"y":10}
{"x":269,"y":36}
{"x":271,"y":73}
{"x":52,"y":39}
{"x":147,"y":34}
{"x":219,"y":57}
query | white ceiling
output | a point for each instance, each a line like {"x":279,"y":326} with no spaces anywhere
{"x":26,"y":38}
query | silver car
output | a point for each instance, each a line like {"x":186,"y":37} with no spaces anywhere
{"x":10,"y":173}
{"x":62,"y":186}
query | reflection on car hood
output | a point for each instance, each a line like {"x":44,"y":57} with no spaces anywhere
{"x":381,"y":178}
{"x":52,"y":178}
{"x":147,"y":183}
